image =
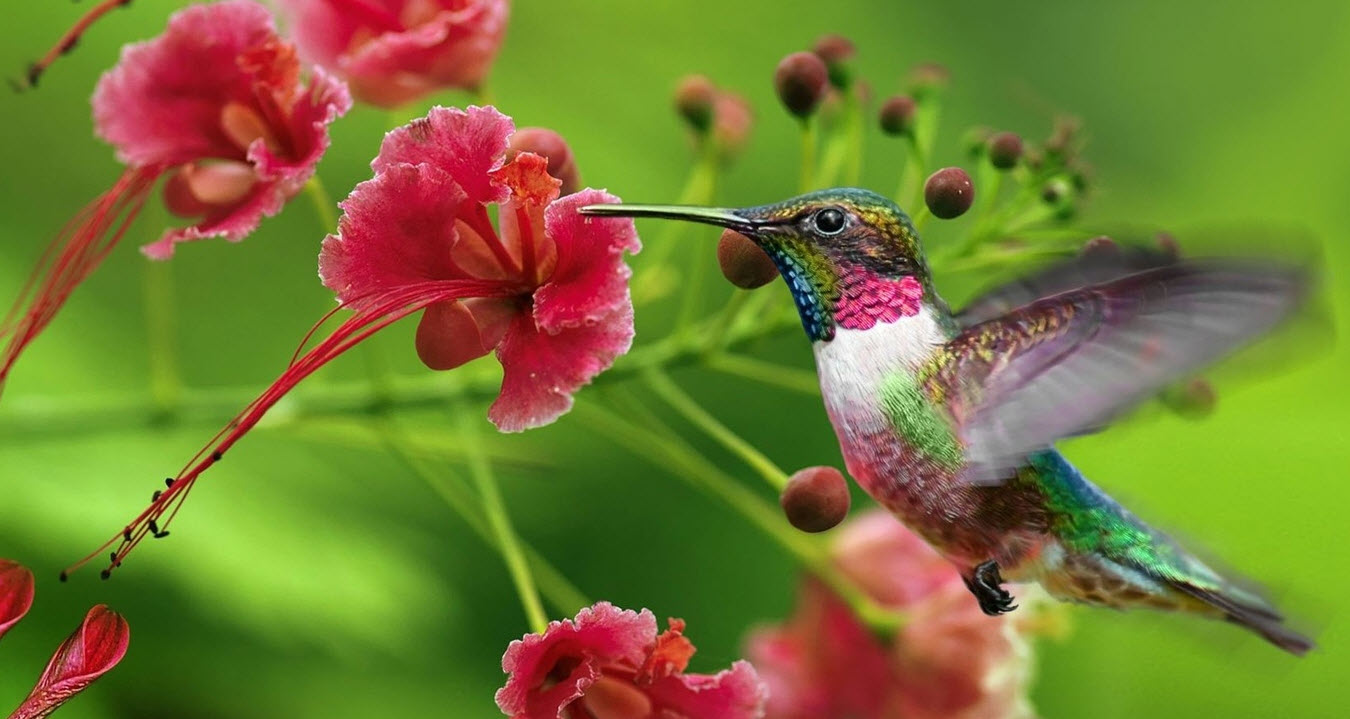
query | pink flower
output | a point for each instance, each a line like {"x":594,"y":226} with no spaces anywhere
{"x":548,"y":291}
{"x":949,"y":660}
{"x":97,"y":645}
{"x":609,"y":663}
{"x":216,"y":106}
{"x":395,"y":51}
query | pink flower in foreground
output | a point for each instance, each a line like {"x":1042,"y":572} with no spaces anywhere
{"x":548,"y":291}
{"x":395,"y":51}
{"x":215,"y":105}
{"x":609,"y":663}
{"x":97,"y":645}
{"x":950,"y":661}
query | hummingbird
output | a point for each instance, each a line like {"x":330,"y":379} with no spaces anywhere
{"x":949,"y":420}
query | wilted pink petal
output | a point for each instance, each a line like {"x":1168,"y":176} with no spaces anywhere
{"x":593,"y":667}
{"x":96,"y":647}
{"x":16,"y":593}
{"x":395,"y":51}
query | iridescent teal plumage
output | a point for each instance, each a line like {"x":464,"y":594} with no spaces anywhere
{"x":949,"y":420}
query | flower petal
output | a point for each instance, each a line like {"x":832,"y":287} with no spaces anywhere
{"x":96,"y":647}
{"x":279,"y":176}
{"x":465,"y":144}
{"x":892,"y":564}
{"x":589,"y":284}
{"x":571,"y":653}
{"x":16,"y":593}
{"x":453,"y":48}
{"x":452,"y":333}
{"x":396,"y":229}
{"x":540,"y":371}
{"x":735,"y":693}
{"x":161,"y":104}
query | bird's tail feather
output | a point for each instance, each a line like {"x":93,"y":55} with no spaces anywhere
{"x":1247,"y":610}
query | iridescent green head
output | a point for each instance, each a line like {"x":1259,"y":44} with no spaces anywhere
{"x":850,"y":257}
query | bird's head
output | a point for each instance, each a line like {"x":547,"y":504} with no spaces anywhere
{"x":850,"y":257}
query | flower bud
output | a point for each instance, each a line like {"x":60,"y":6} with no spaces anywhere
{"x":815,"y":499}
{"x":743,"y":263}
{"x":1167,"y":244}
{"x":694,"y":99}
{"x":1056,"y":191}
{"x":1005,"y":149}
{"x":927,"y":78}
{"x":551,"y":146}
{"x":1192,"y":399}
{"x":800,"y":81}
{"x":1101,"y":246}
{"x":837,"y":52}
{"x":948,"y":193}
{"x":16,"y":593}
{"x":897,"y":115}
{"x":975,"y":141}
{"x":732,"y":120}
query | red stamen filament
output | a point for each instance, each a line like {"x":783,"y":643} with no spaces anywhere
{"x":71,"y":257}
{"x":372,"y":314}
{"x":71,"y":38}
{"x":478,"y":220}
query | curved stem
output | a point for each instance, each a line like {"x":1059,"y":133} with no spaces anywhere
{"x":664,"y":448}
{"x":769,"y":373}
{"x":553,"y":584}
{"x":807,"y":178}
{"x":166,"y":383}
{"x":699,"y":417}
{"x":324,"y":207}
{"x":505,"y":535}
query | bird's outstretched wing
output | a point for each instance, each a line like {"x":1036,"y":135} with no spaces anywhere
{"x":1069,"y":363}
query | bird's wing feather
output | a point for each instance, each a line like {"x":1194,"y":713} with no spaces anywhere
{"x":1070,"y":363}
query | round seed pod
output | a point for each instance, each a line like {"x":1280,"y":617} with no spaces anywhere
{"x":800,"y":81}
{"x":897,"y":115}
{"x":837,"y":51}
{"x":816,"y":499}
{"x":743,"y":263}
{"x":948,"y":193}
{"x":694,"y":98}
{"x":1005,"y":149}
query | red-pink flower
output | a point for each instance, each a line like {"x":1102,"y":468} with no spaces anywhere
{"x":609,"y":663}
{"x":950,"y":661}
{"x":395,"y":51}
{"x":97,"y":645}
{"x":216,"y":106}
{"x":548,"y":291}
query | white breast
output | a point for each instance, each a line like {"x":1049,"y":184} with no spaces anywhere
{"x":853,"y":365}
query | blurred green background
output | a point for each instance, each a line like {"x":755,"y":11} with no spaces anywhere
{"x":313,"y":580}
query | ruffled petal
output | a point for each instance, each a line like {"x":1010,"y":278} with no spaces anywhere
{"x":16,"y":593}
{"x":396,"y":229}
{"x":589,"y":284}
{"x":892,"y":564}
{"x":540,"y":371}
{"x":453,"y":48}
{"x":569,"y":657}
{"x":735,"y":693}
{"x":161,"y":104}
{"x":452,"y":333}
{"x":467,"y":145}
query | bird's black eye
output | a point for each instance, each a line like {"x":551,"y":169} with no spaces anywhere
{"x":829,"y":221}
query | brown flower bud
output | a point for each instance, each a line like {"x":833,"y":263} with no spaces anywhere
{"x":928,"y":78}
{"x":837,"y":51}
{"x":897,"y":115}
{"x":948,"y":193}
{"x":551,"y":146}
{"x":816,"y":499}
{"x":743,"y":263}
{"x":1100,"y":246}
{"x":732,"y":121}
{"x":800,"y":80}
{"x":694,"y":98}
{"x":1005,"y":149}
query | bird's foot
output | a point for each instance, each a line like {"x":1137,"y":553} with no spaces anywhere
{"x":986,"y":584}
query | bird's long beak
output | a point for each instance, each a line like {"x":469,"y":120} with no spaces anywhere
{"x":707,"y":215}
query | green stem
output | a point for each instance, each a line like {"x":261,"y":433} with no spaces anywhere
{"x":666,"y":450}
{"x":324,"y":208}
{"x":505,"y":535}
{"x":556,"y":588}
{"x":856,"y":138}
{"x":699,"y":417}
{"x":911,"y":175}
{"x":655,"y":276}
{"x":726,"y":319}
{"x":775,"y":375}
{"x":166,"y":384}
{"x":807,"y":178}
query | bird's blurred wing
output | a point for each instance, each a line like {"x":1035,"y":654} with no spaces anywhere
{"x":1069,"y":363}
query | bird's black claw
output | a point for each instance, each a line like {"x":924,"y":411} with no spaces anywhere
{"x":986,"y":584}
